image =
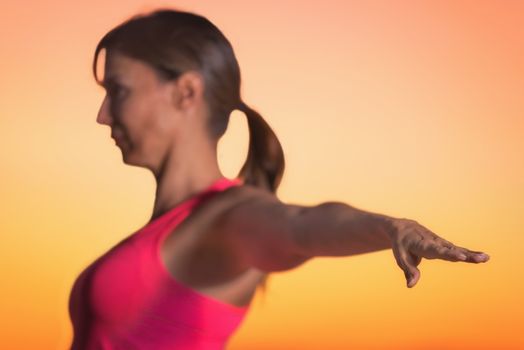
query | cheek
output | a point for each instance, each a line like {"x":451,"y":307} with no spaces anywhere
{"x":162,"y":120}
{"x":148,"y":123}
{"x":152,"y":131}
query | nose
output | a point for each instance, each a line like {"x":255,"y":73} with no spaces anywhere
{"x":104,"y":115}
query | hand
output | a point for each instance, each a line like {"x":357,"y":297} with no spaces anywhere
{"x":412,"y":242}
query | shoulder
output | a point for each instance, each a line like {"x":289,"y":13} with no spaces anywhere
{"x":211,"y":216}
{"x":247,"y":193}
{"x":250,"y":207}
{"x":259,"y":229}
{"x":248,"y":204}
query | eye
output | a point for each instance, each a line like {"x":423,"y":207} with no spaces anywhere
{"x":114,"y":90}
{"x":117,"y":92}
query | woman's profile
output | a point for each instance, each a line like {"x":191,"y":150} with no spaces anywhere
{"x":186,"y":279}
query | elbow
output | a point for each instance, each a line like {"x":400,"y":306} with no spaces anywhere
{"x":312,"y":223}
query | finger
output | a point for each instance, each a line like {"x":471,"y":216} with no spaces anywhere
{"x":452,"y":252}
{"x":438,"y":248}
{"x":408,"y":265}
{"x":463,"y":254}
{"x":472,"y":255}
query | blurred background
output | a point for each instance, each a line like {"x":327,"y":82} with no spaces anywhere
{"x":407,"y":108}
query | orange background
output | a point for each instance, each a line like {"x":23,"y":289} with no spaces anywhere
{"x":407,"y":108}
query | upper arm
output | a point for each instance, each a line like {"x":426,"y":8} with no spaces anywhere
{"x":261,"y":231}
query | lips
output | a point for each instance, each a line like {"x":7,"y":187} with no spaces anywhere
{"x":117,"y":137}
{"x":117,"y":141}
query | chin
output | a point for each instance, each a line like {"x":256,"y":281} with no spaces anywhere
{"x":131,"y":160}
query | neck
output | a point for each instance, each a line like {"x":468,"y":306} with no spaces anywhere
{"x":179,"y":180}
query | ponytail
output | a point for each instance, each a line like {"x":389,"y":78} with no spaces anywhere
{"x":264,"y":165}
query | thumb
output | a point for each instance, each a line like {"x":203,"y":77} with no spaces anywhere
{"x":412,"y":277}
{"x":413,"y":274}
{"x":408,"y":264}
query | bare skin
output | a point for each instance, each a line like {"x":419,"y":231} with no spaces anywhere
{"x":225,"y":246}
{"x":413,"y":241}
{"x":159,"y":125}
{"x":197,"y":255}
{"x":275,"y":236}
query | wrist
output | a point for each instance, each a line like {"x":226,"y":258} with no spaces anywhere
{"x":392,"y":225}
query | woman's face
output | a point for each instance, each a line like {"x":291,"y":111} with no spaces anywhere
{"x":138,"y":108}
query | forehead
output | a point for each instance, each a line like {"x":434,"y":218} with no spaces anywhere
{"x":119,"y":67}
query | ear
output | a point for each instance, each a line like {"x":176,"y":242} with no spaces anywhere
{"x":189,"y":91}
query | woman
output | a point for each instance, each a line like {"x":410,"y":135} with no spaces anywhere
{"x":185,"y":280}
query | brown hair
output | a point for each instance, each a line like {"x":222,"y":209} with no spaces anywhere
{"x":174,"y":41}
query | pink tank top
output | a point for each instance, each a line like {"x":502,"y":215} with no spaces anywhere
{"x":126,"y":299}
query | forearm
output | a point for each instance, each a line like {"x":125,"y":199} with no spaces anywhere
{"x":338,"y":229}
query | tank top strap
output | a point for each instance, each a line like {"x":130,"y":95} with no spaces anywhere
{"x":183,"y":208}
{"x":210,"y":308}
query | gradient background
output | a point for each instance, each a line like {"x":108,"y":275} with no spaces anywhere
{"x":407,"y":108}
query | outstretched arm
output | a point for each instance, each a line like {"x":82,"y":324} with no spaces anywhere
{"x":335,"y":228}
{"x":272,"y":235}
{"x":338,"y":229}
